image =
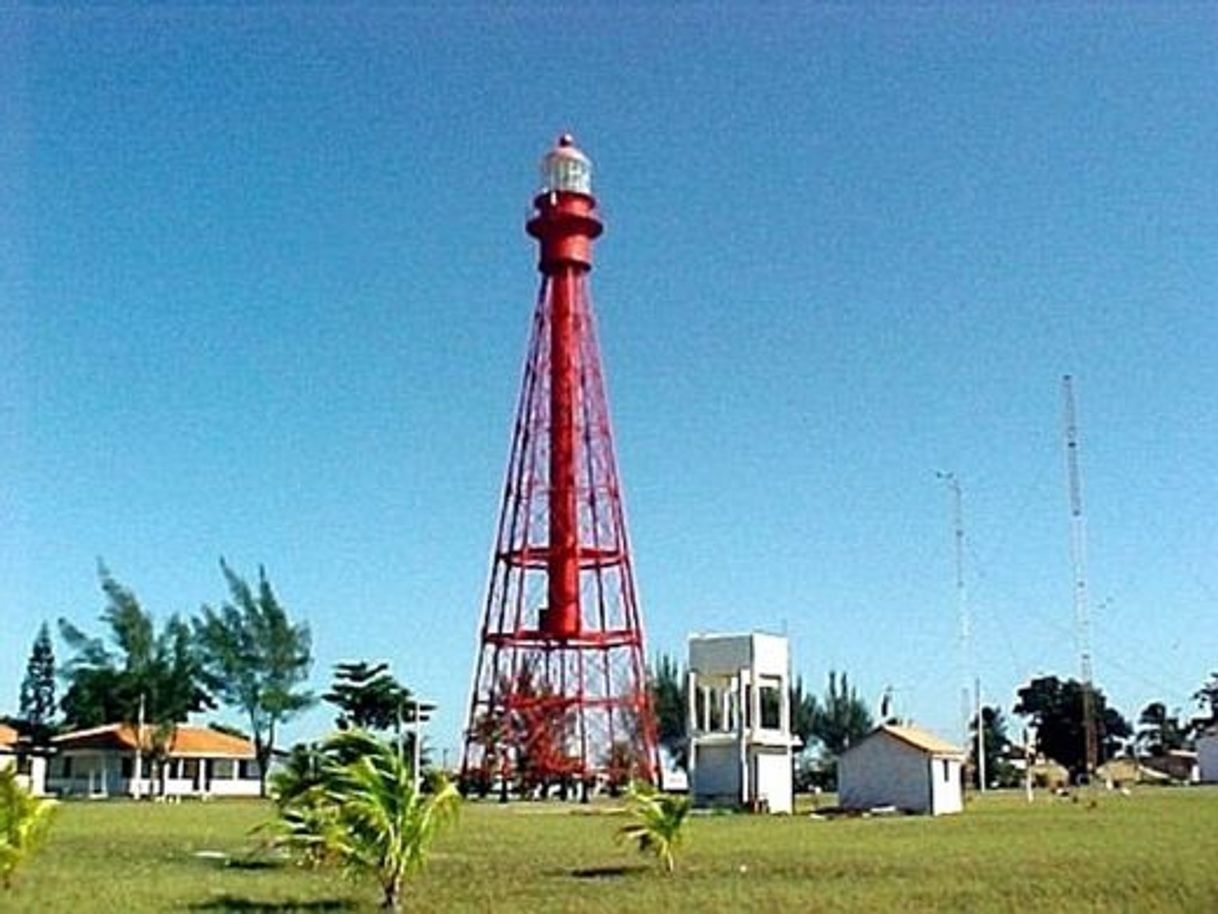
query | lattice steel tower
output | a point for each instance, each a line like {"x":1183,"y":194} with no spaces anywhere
{"x":559,"y":693}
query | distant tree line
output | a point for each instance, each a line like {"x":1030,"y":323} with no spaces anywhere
{"x":828,"y":724}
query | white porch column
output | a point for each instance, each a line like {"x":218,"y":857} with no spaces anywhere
{"x":691,"y":727}
{"x":742,"y":691}
{"x":755,"y":710}
{"x":784,"y":698}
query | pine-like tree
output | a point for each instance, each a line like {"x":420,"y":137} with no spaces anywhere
{"x":255,"y":659}
{"x":37,"y":704}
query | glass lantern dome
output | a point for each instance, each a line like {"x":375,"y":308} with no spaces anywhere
{"x":565,"y":168}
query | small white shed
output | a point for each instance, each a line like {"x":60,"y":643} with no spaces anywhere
{"x":1207,"y":756}
{"x":905,"y":767}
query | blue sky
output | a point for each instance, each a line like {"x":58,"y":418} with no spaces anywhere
{"x":267,"y":290}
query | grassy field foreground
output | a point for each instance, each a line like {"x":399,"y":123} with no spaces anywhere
{"x":1154,"y":851}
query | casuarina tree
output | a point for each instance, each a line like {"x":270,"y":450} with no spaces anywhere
{"x":843,"y":718}
{"x":255,"y":659}
{"x":670,"y":701}
{"x":37,"y":705}
{"x":138,"y":674}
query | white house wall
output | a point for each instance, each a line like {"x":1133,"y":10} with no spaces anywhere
{"x":34,"y":777}
{"x":101,"y":774}
{"x":883,"y":771}
{"x":771,"y":654}
{"x":948,"y":791}
{"x":716,"y":775}
{"x":773,"y":787}
{"x":1207,"y":758}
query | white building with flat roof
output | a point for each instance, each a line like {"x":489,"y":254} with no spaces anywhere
{"x":740,"y":721}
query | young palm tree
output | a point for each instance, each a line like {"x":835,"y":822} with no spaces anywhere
{"x":366,"y":815}
{"x":23,"y":822}
{"x":659,"y":822}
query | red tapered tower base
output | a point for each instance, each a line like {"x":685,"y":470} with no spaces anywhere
{"x":560,"y":692}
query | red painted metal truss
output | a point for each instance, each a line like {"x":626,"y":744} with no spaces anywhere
{"x":559,"y":697}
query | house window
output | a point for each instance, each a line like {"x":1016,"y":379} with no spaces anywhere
{"x":128,"y":765}
{"x":248,"y":770}
{"x":946,"y":772}
{"x":708,"y":710}
{"x":66,"y":766}
{"x":771,"y":706}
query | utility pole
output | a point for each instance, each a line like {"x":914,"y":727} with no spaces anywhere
{"x":1029,"y":759}
{"x":136,"y":784}
{"x":1078,"y":554}
{"x":980,"y":735}
{"x":966,"y":634}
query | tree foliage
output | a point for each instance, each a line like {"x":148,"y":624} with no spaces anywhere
{"x":24,"y":820}
{"x":670,"y":704}
{"x":1207,"y":699}
{"x":37,"y":704}
{"x":843,"y":719}
{"x":1158,"y":731}
{"x":360,"y":810}
{"x":658,"y":822}
{"x":368,"y":697}
{"x":1056,"y":709}
{"x":998,"y":771}
{"x":255,"y":659}
{"x":107,"y":682}
{"x":805,"y":710}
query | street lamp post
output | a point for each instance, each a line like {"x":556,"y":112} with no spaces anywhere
{"x":420,"y":711}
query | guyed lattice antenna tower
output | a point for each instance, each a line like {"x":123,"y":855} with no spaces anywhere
{"x":1078,"y":555}
{"x":967,"y":658}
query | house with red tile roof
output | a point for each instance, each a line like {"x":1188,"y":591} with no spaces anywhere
{"x":199,"y":762}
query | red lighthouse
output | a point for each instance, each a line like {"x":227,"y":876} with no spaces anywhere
{"x":559,"y":695}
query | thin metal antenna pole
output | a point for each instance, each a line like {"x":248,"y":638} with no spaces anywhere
{"x":1078,"y":555}
{"x":968,"y":707}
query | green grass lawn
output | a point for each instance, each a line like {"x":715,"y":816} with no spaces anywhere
{"x":1154,"y":851}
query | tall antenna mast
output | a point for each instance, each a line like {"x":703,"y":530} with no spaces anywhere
{"x":1078,"y":554}
{"x":966,"y":629}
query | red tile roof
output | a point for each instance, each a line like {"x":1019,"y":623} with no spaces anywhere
{"x":921,"y":739}
{"x":915,"y":737}
{"x":185,"y":741}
